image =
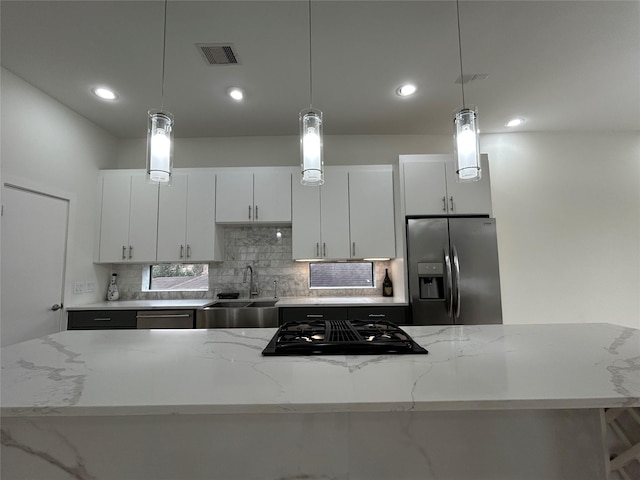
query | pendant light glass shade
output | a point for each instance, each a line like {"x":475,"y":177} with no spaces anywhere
{"x":159,"y":147}
{"x":312,"y":163}
{"x":467,"y":151}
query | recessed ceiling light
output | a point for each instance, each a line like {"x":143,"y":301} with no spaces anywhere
{"x":236,"y":93}
{"x":406,"y":90}
{"x":104,"y":93}
{"x":514,"y":122}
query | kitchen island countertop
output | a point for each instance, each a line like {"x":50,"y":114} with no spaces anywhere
{"x":122,"y":372}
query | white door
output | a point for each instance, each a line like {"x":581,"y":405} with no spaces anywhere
{"x":334,"y":214}
{"x":201,"y":218}
{"x":469,"y":197}
{"x":425,"y":188}
{"x":234,"y":197}
{"x":34,"y":240}
{"x":172,"y":220}
{"x":272,"y":196}
{"x":305,"y":222}
{"x":371,"y":214}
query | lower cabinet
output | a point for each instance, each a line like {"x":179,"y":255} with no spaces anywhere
{"x":122,"y":319}
{"x":101,"y":319}
{"x":396,"y":314}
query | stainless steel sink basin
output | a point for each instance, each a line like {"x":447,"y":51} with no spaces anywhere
{"x":238,"y":314}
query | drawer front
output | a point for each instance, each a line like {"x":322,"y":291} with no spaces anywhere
{"x":292,"y":314}
{"x":396,"y":315}
{"x":165,"y":319}
{"x":101,"y":319}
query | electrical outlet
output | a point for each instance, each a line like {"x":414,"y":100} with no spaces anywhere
{"x":90,"y":287}
{"x":78,"y":287}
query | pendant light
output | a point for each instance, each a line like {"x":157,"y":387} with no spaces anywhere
{"x":311,"y":161}
{"x":160,"y":132}
{"x":466,"y":145}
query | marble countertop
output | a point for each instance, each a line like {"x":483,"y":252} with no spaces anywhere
{"x":145,"y":304}
{"x":201,"y":302}
{"x":137,"y":372}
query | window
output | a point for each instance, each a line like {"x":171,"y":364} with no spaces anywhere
{"x":341,"y":275}
{"x":179,"y":277}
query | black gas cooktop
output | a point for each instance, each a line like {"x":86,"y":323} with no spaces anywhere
{"x":341,"y":337}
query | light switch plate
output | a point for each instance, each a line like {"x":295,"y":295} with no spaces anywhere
{"x":78,"y":287}
{"x":90,"y":286}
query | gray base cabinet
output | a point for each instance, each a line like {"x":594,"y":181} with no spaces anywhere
{"x":101,"y":319}
{"x":395,"y":314}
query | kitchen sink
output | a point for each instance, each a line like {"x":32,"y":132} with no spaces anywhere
{"x":238,"y":314}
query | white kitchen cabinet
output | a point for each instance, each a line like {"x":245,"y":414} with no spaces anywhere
{"x":129,"y":216}
{"x":350,"y":216}
{"x":430,"y":187}
{"x":372,"y":216}
{"x":186,"y":219}
{"x":320,"y":218}
{"x":254,"y":195}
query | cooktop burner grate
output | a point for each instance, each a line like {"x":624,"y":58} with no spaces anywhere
{"x":341,"y":337}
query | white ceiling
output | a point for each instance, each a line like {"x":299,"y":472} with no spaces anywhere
{"x":564,"y":65}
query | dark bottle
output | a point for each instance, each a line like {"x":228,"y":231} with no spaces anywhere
{"x":387,"y":286}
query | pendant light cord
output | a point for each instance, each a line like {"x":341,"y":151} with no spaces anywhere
{"x":310,"y":63}
{"x":460,"y":51}
{"x":164,"y":49}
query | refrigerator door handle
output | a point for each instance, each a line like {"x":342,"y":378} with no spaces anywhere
{"x":456,"y":266}
{"x":449,"y":303}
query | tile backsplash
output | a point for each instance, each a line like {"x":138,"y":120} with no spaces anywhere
{"x":268,"y":250}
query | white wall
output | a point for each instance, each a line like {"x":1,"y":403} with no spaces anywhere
{"x":48,"y":147}
{"x":568,"y":219}
{"x":285,"y":151}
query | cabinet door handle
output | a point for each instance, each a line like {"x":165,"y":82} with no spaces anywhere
{"x":452,"y":207}
{"x":256,"y":215}
{"x":377,"y":315}
{"x":324,"y":249}
{"x":315,"y":315}
{"x":124,"y":252}
{"x":249,"y":212}
{"x":318,"y":249}
{"x":188,"y":251}
{"x":353,"y":250}
{"x":130,"y":252}
{"x":444,"y":204}
{"x":181,"y":251}
{"x":101,"y":319}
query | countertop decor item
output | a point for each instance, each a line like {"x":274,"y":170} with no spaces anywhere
{"x":112,"y":292}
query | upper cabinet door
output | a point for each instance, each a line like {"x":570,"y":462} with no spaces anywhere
{"x":334,"y":214}
{"x":430,"y":187}
{"x":234,"y":195}
{"x":425,"y":191}
{"x":172,"y":220}
{"x":114,"y":223}
{"x":272,"y":195}
{"x":305,"y":222}
{"x":466,"y":198}
{"x":372,"y":214}
{"x":201,"y":218}
{"x":143,"y":220}
{"x":129,"y":218}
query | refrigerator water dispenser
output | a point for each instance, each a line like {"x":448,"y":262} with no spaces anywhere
{"x":431,"y":281}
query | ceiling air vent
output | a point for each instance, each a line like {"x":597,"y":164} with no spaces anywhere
{"x":471,"y":77}
{"x":218,"y":53}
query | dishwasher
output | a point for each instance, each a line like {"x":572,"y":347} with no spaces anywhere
{"x":164,"y":319}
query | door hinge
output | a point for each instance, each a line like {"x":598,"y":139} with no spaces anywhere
{"x":2,"y":211}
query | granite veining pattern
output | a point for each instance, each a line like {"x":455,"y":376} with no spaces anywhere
{"x":130,"y":372}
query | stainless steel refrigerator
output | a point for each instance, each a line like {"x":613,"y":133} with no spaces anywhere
{"x":453,"y":271}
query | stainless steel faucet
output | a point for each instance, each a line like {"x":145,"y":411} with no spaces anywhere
{"x":253,"y":291}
